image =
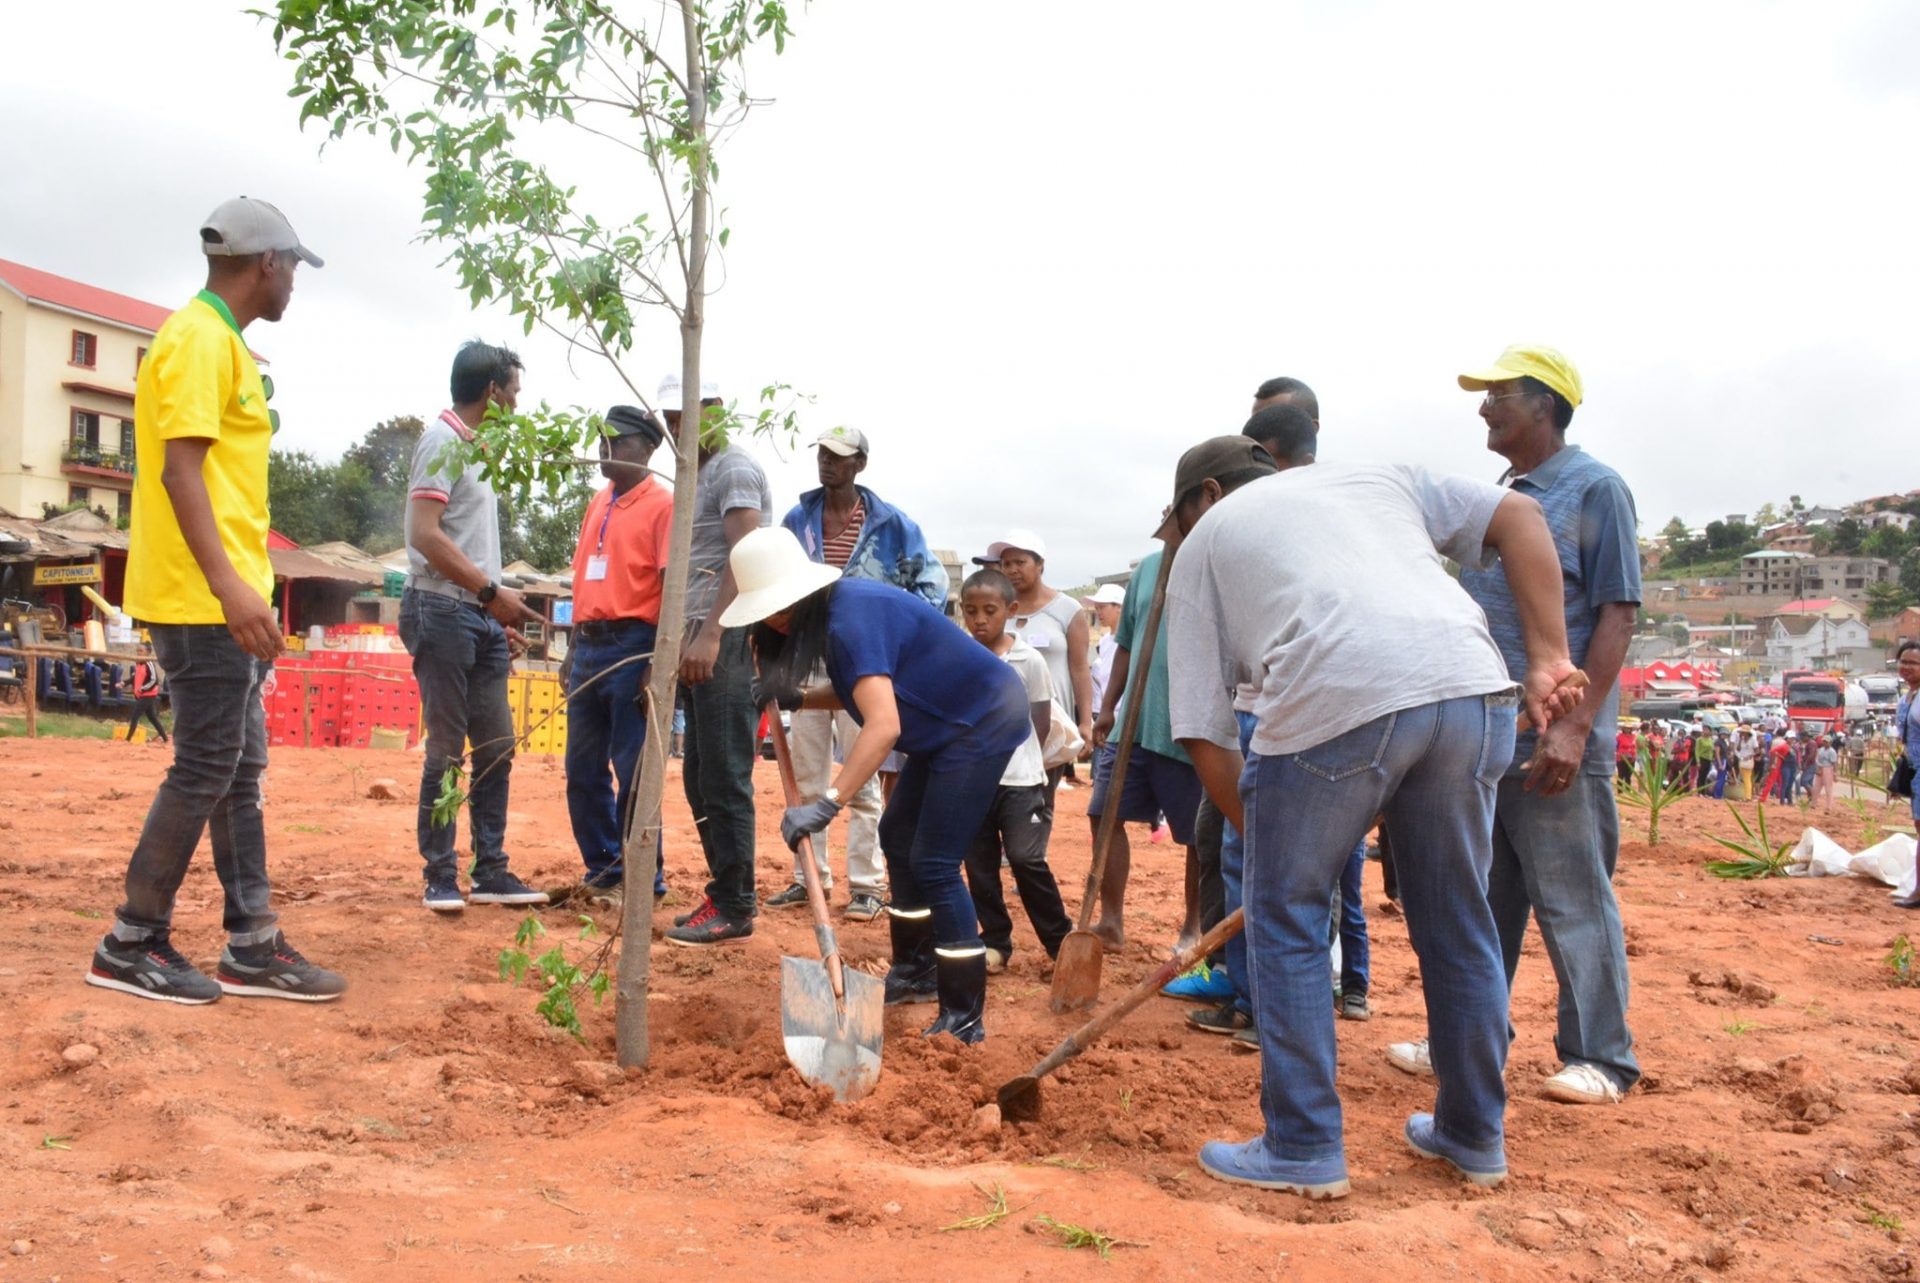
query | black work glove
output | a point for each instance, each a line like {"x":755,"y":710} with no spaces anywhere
{"x":786,"y":697}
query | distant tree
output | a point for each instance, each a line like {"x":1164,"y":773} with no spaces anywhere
{"x":1794,"y":505}
{"x":1887,"y":542}
{"x":1675,"y":531}
{"x":386,"y":452}
{"x":1767,"y":516}
{"x":549,"y":526}
{"x":1910,"y":573}
{"x":1679,"y":632}
{"x":300,"y":489}
{"x":1845,"y":536}
{"x":1884,"y":601}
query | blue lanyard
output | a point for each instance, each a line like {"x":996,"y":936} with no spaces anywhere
{"x":600,"y":546}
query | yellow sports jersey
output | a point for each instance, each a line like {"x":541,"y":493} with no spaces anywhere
{"x":198,"y":380}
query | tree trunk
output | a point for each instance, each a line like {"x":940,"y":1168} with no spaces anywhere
{"x":631,"y":1035}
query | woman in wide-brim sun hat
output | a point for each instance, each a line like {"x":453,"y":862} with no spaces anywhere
{"x":914,"y":683}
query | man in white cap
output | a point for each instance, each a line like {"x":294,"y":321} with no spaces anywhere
{"x":846,"y":525}
{"x":732,"y":499}
{"x":199,"y":579}
{"x":1556,"y":832}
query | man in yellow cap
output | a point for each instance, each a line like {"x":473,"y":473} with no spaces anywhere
{"x":1556,"y":831}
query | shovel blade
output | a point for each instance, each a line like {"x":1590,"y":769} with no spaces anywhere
{"x":840,"y":1050}
{"x":1020,"y":1099}
{"x":1076,"y":972}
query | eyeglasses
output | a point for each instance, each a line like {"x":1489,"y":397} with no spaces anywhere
{"x":1491,"y":397}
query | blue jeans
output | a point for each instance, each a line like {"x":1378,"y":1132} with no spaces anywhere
{"x":213,"y":786}
{"x":939,"y":803}
{"x":1431,"y":771}
{"x":718,"y":774}
{"x":1553,"y":857}
{"x":460,"y":661}
{"x":1350,"y":923}
{"x":1233,"y":854}
{"x":606,"y":726}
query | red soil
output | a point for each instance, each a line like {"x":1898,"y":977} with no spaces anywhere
{"x":431,"y":1126}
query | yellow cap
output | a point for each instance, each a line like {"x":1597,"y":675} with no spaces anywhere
{"x":1528,"y":361}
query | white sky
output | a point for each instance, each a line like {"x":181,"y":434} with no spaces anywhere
{"x":1036,"y":249}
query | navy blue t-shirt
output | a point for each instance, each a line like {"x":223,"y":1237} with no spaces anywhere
{"x":948,"y":687}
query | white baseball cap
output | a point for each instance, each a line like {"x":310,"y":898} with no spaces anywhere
{"x":1020,"y":540}
{"x":669,"y":398}
{"x":244,"y":226}
{"x":1107,"y":595}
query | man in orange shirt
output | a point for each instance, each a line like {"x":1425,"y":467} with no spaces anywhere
{"x":619,"y":569}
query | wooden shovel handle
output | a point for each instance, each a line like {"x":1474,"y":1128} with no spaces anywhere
{"x":1091,"y":1032}
{"x":1139,"y":662}
{"x":816,"y":898}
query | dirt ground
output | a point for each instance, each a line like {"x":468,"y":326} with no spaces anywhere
{"x":430,"y":1126}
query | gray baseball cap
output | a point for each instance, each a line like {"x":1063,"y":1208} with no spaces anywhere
{"x":244,"y":226}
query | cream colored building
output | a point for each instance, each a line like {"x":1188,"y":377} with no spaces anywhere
{"x":69,"y":354}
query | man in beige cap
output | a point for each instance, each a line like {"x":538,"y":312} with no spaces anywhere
{"x":1556,"y":832}
{"x":199,"y":579}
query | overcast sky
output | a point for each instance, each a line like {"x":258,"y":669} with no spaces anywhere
{"x":1036,"y":249}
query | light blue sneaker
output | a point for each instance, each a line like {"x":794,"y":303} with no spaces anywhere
{"x":1250,"y":1163}
{"x":1486,"y":1167}
{"x":1201,"y":983}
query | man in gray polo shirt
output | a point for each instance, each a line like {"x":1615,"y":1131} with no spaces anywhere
{"x":731,"y":500}
{"x":458,"y":621}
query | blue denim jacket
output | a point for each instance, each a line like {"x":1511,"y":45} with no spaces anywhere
{"x":891,"y":548}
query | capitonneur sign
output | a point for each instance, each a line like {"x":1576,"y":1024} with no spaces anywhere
{"x":54,"y":576}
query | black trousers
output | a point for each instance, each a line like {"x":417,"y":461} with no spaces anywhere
{"x":1019,"y":825}
{"x":148,"y":708}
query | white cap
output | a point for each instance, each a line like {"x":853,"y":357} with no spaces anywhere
{"x":243,"y":226}
{"x":669,"y":398}
{"x":1107,"y":595}
{"x":1022,"y":540}
{"x":843,"y":441}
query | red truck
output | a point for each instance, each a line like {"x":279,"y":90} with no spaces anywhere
{"x":1816,"y":702}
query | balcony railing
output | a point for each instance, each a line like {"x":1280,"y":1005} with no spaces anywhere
{"x":79,"y":454}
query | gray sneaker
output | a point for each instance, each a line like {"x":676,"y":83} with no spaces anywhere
{"x":1353,"y":1006}
{"x":864,"y":906}
{"x":794,"y":897}
{"x":150,"y":968}
{"x":276,"y":970}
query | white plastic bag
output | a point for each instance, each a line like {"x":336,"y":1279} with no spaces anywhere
{"x":1818,"y":856}
{"x":1889,"y":860}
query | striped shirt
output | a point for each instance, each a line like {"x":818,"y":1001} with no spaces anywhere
{"x":837,"y":549}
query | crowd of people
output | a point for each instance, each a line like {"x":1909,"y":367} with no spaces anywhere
{"x":1318,"y":675}
{"x":1794,"y":764}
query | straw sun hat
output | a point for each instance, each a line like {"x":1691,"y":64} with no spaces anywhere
{"x":772,"y":572}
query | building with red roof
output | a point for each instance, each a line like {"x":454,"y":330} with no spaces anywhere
{"x":69,"y":353}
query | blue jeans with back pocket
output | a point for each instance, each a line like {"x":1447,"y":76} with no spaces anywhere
{"x":1431,"y":770}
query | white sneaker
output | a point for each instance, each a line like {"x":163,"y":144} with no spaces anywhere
{"x":1582,"y":1084}
{"x":1410,"y":1057}
{"x":996,"y":961}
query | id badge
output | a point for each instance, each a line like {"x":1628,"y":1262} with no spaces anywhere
{"x":596,"y":568}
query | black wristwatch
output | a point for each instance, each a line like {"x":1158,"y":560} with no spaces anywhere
{"x":488,"y":593}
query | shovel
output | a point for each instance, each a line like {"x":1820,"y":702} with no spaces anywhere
{"x":1020,"y":1098}
{"x":830,"y":1018}
{"x":1076,"y":970}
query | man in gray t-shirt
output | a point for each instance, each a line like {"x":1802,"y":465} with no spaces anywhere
{"x":731,"y":499}
{"x":458,"y":622}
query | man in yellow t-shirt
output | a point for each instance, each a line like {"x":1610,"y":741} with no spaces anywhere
{"x":198,"y":577}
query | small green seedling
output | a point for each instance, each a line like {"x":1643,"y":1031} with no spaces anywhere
{"x":1078,"y":1236}
{"x":997,"y":1211}
{"x":1759,"y":856}
{"x":1900,"y":962}
{"x":1739,"y":1027}
{"x":56,"y":1142}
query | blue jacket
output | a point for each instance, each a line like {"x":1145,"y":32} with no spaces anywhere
{"x":891,"y":548}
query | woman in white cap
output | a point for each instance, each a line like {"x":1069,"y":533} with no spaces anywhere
{"x":913,"y":682}
{"x":1052,"y":623}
